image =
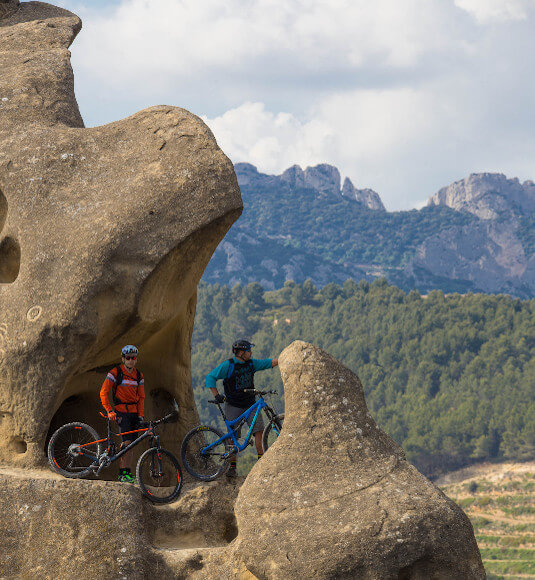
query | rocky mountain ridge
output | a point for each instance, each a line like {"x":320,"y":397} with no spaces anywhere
{"x":323,"y":178}
{"x":488,"y":196}
{"x":475,"y":235}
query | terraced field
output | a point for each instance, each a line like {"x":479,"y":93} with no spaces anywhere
{"x":500,"y":502}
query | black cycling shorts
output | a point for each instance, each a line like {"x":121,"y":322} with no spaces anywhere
{"x":128,"y":422}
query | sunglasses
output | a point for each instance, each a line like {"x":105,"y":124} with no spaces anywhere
{"x":128,"y":357}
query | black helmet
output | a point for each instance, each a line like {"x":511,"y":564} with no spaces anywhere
{"x":242,"y":344}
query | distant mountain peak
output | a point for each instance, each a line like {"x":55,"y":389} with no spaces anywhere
{"x":323,"y":178}
{"x":366,"y":197}
{"x":487,"y":195}
{"x":294,"y":176}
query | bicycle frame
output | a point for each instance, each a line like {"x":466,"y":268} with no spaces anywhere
{"x":231,"y":432}
{"x":148,"y":432}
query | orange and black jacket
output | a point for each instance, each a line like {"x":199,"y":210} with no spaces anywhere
{"x":129,"y":395}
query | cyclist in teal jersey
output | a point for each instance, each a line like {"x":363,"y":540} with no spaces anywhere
{"x":237,"y":374}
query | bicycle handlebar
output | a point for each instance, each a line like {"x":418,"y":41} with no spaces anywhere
{"x":256,"y":391}
{"x":171,"y":418}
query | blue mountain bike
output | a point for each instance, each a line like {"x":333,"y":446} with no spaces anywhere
{"x":205,"y":450}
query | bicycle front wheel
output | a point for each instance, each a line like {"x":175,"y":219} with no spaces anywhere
{"x":272,"y":431}
{"x":73,"y":450}
{"x":159,"y":476}
{"x":201,"y":457}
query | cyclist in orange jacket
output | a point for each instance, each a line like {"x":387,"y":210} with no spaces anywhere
{"x":128,"y":393}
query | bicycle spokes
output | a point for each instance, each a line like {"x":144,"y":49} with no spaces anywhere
{"x":73,"y":449}
{"x":203,"y":455}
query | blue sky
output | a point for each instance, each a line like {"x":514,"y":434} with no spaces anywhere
{"x":403,"y":96}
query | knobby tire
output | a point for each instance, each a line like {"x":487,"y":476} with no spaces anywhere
{"x":66,"y":463}
{"x":277,"y":422}
{"x":159,"y":475}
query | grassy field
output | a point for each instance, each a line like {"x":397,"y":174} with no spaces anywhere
{"x":500,"y":502}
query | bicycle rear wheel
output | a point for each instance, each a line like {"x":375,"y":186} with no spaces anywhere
{"x":72,"y":450}
{"x":272,"y":431}
{"x":159,"y":476}
{"x":207,"y":465}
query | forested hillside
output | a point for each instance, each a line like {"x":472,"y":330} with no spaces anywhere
{"x":451,"y":378}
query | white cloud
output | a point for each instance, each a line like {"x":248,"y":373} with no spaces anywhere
{"x":488,"y":11}
{"x":253,"y":134}
{"x":365,"y":133}
{"x":188,"y":37}
{"x":403,"y":96}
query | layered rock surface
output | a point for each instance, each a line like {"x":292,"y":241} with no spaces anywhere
{"x":334,"y":496}
{"x":105,"y":233}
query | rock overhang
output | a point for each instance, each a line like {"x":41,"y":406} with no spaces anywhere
{"x":106,"y":232}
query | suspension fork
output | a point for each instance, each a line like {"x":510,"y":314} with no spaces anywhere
{"x":269,"y":412}
{"x":155,"y":441}
{"x":156,"y":462}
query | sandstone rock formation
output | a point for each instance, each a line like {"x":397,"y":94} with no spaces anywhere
{"x":105,"y":234}
{"x":334,"y":496}
{"x":55,"y":528}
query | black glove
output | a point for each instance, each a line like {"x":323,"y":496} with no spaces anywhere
{"x":219,"y":398}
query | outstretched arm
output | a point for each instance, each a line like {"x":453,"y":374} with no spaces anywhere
{"x":263,"y":364}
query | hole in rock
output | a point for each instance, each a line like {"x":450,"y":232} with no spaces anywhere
{"x":421,"y":568}
{"x":231,"y":530}
{"x":81,"y":407}
{"x":9,"y":249}
{"x":18,"y":445}
{"x":9,"y":260}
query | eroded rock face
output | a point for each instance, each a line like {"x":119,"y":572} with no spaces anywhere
{"x":105,"y":233}
{"x":54,"y":528}
{"x":334,"y":497}
{"x":367,"y":197}
{"x":488,"y":195}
